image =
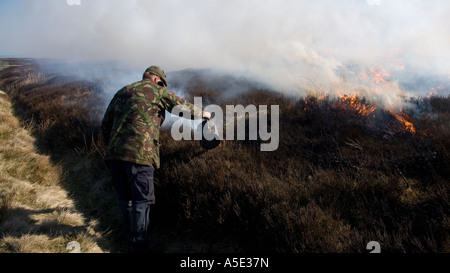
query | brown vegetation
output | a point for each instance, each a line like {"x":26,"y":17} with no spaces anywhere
{"x":36,"y":213}
{"x":336,"y":182}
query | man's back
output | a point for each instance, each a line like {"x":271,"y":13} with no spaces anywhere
{"x":132,"y":121}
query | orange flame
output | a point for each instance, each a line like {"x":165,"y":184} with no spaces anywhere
{"x":403,"y":119}
{"x":359,"y":107}
{"x":379,"y":76}
{"x":356,"y":104}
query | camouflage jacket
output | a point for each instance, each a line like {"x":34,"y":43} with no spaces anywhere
{"x":131,"y":123}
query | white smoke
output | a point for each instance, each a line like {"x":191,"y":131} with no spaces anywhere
{"x":288,"y":44}
{"x":374,"y":2}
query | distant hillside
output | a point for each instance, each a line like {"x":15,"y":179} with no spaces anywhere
{"x":339,"y":179}
{"x":223,"y":83}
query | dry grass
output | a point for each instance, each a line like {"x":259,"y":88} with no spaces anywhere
{"x":36,"y":213}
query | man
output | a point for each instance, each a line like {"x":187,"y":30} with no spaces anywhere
{"x":130,"y":129}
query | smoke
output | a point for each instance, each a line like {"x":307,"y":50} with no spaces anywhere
{"x":295,"y":46}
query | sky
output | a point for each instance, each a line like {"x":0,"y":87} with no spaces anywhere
{"x":287,"y":43}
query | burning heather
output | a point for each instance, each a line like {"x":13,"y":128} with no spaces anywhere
{"x":372,"y":115}
{"x":383,"y":101}
{"x":360,"y":107}
{"x":353,"y":103}
{"x":403,"y":118}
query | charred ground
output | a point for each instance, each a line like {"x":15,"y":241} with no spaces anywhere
{"x":337,"y":180}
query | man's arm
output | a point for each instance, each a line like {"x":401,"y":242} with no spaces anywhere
{"x":169,"y":100}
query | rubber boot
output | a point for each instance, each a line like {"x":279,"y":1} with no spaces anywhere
{"x":140,"y":218}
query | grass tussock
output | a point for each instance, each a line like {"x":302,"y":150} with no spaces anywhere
{"x":337,"y":181}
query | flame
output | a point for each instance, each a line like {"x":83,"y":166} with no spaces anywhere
{"x":314,"y":99}
{"x":379,"y":76}
{"x":378,"y":80}
{"x":355,"y":104}
{"x":358,"y":105}
{"x":323,"y":96}
{"x":409,"y":126}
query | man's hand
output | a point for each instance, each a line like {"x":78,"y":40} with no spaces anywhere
{"x":207,"y":115}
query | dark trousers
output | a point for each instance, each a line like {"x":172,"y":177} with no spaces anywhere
{"x":135,"y":190}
